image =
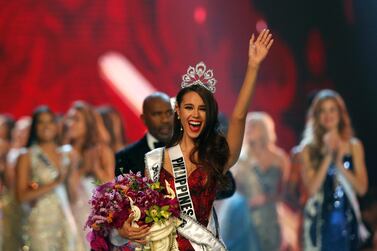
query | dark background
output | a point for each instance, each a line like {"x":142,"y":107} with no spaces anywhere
{"x":49,"y":54}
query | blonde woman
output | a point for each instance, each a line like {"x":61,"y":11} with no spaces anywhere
{"x":260,"y":174}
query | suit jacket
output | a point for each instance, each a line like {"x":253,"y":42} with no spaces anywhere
{"x":132,"y":158}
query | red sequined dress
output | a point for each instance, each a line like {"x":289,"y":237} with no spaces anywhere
{"x":202,"y":197}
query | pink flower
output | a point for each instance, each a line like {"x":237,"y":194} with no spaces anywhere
{"x":121,"y":217}
{"x":97,"y":242}
{"x":111,"y":206}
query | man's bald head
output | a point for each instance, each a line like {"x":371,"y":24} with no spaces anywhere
{"x":158,"y":116}
{"x":150,"y":99}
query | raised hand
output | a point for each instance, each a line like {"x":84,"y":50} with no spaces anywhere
{"x":259,"y":48}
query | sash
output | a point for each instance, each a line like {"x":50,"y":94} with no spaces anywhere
{"x":153,"y":163}
{"x":200,"y":237}
{"x":313,"y":209}
{"x":312,"y":225}
{"x":363,"y":232}
{"x":181,"y":181}
{"x":60,"y":190}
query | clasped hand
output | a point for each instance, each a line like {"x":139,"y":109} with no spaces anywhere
{"x":334,"y":145}
{"x":132,"y":233}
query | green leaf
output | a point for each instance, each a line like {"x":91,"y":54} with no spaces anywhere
{"x":148,"y":219}
{"x":97,"y":182}
{"x":165,"y":214}
{"x":165,"y":208}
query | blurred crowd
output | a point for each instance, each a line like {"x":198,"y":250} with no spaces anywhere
{"x":50,"y":163}
{"x":314,"y":198}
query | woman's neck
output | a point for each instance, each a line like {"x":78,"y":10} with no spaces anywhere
{"x":186,"y":144}
{"x":51,"y":145}
{"x":333,"y":130}
{"x":259,"y":149}
{"x":78,"y":144}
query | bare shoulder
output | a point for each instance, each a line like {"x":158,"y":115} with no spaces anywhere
{"x":280,"y":156}
{"x":357,"y":145}
{"x":356,"y":142}
{"x":24,"y":154}
{"x":24,"y":157}
{"x":104,"y":150}
{"x":305,"y":150}
{"x":304,"y":154}
{"x":280,"y":152}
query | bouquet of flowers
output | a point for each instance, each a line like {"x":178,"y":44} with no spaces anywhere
{"x":149,"y":202}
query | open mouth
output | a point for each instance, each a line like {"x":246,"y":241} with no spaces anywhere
{"x":165,"y":130}
{"x":195,"y":125}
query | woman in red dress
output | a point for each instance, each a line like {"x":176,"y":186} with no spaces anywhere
{"x":205,"y":152}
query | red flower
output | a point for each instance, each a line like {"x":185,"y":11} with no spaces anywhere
{"x":97,"y":242}
{"x":111,"y":206}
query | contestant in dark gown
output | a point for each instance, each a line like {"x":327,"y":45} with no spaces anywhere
{"x":334,"y":173}
{"x":340,"y":232}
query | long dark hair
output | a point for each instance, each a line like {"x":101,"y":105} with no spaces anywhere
{"x":33,"y":137}
{"x":8,"y":122}
{"x":211,"y":146}
{"x":106,"y":113}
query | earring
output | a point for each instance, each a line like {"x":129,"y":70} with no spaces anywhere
{"x":178,"y":117}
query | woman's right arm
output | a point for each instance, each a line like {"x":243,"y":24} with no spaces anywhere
{"x":313,"y":179}
{"x":25,"y":189}
{"x":258,"y":50}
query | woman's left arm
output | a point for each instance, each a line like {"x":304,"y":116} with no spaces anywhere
{"x":258,"y":50}
{"x":359,"y":177}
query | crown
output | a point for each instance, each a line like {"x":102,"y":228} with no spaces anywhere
{"x":199,"y":76}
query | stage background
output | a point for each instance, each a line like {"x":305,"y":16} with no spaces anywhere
{"x":49,"y":53}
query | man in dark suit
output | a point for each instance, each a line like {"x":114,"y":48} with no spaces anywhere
{"x":158,"y":118}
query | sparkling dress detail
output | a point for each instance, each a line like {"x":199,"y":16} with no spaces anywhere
{"x":202,"y":196}
{"x":253,"y":181}
{"x":49,"y":224}
{"x":339,"y":230}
